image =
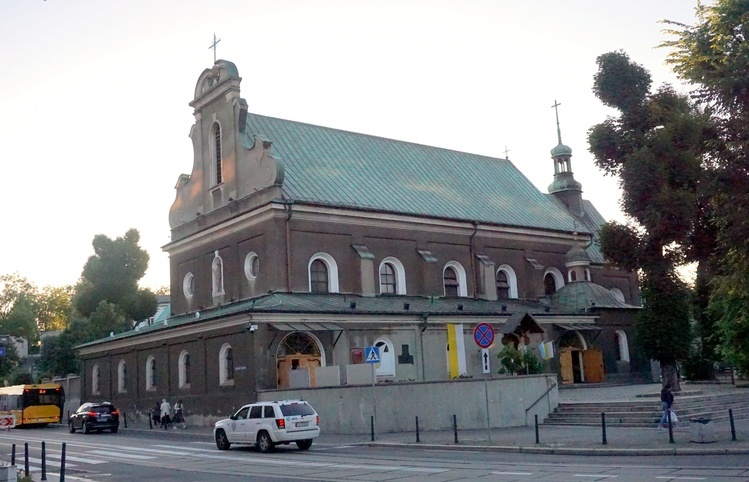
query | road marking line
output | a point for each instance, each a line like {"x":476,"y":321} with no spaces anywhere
{"x":679,"y":477}
{"x":513,"y":473}
{"x":596,"y":475}
{"x":119,"y":454}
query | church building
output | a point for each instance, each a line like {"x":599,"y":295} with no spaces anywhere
{"x":294,"y":247}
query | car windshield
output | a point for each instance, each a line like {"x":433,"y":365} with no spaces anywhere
{"x":296,"y":409}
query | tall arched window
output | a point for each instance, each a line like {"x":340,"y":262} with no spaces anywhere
{"x":95,"y":380}
{"x":323,"y":274}
{"x":392,"y":276}
{"x":226,"y":365}
{"x":622,"y":347}
{"x":122,"y":377}
{"x":217,"y":271}
{"x":151,"y":373}
{"x":512,"y":281}
{"x":216,"y":153}
{"x":184,"y":369}
{"x":454,"y":279}
{"x":553,"y":281}
{"x":503,"y":285}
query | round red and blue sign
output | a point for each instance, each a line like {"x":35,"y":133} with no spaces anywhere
{"x":483,"y":335}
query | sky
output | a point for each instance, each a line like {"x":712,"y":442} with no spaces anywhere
{"x":94,"y":114}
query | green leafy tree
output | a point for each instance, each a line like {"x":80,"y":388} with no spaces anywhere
{"x":57,"y":356}
{"x":713,"y":55}
{"x":54,"y":308}
{"x":21,"y":321}
{"x":514,"y":362}
{"x":9,"y":362}
{"x":112,"y":275}
{"x":656,"y":148}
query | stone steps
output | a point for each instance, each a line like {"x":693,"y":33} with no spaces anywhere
{"x":645,"y":411}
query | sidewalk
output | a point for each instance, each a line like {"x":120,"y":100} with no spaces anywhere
{"x":553,"y":439}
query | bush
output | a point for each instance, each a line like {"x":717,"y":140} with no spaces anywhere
{"x":513,"y":362}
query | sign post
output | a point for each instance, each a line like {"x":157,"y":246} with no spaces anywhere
{"x":483,"y":335}
{"x":372,"y":356}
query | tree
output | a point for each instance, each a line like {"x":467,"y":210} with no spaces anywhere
{"x":8,"y":362}
{"x":54,"y":308}
{"x":655,"y":147}
{"x":714,"y":56}
{"x":112,"y":275}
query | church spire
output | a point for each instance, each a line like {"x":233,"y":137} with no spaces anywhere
{"x":565,"y":187}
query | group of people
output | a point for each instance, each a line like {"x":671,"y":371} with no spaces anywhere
{"x":163,"y":415}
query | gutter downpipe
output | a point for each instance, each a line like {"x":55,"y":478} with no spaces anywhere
{"x":424,"y":317}
{"x":287,"y":208}
{"x":473,"y":261}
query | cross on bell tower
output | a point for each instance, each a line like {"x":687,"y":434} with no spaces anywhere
{"x":213,"y":46}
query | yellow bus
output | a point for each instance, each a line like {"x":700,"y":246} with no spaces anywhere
{"x":37,"y":404}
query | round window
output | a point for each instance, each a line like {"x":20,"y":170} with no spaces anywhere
{"x":188,"y":285}
{"x":251,"y":266}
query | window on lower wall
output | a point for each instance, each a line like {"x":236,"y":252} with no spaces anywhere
{"x":226,"y":365}
{"x":122,"y":377}
{"x":151,"y":373}
{"x":95,"y":380}
{"x":184,"y":369}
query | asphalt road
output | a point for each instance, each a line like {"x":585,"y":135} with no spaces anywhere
{"x":167,"y":457}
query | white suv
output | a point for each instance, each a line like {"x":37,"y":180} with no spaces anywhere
{"x":267,"y":424}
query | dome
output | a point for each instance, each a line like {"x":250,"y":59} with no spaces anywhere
{"x":585,"y":294}
{"x":564,"y":183}
{"x":577,"y":253}
{"x":561,"y":150}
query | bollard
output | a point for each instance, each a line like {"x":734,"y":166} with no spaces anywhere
{"x":124,"y":418}
{"x":417,"y":429}
{"x":26,"y":459}
{"x":455,"y":427}
{"x":603,"y":428}
{"x":371,"y":421}
{"x":44,"y":461}
{"x":13,"y":455}
{"x":670,"y":428}
{"x":62,"y":463}
{"x":150,"y":416}
{"x":537,"y":439}
{"x":733,"y":427}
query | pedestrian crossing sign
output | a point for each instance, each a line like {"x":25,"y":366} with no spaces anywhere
{"x":372,"y":354}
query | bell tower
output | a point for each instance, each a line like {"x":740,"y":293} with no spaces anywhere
{"x":565,"y":187}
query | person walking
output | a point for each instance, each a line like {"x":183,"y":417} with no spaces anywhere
{"x":667,"y":400}
{"x":179,"y":414}
{"x":156,"y":414}
{"x":165,"y":410}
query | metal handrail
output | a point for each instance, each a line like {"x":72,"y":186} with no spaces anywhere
{"x":546,"y":393}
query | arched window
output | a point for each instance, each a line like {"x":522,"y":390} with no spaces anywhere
{"x":392,"y":277}
{"x":386,"y":366}
{"x":216,"y":153}
{"x":323,"y":274}
{"x":184,"y":369}
{"x":503,"y":286}
{"x":226,"y":365}
{"x":95,"y":380}
{"x":151,"y":373}
{"x":217,"y":271}
{"x":553,"y":280}
{"x":122,"y":377}
{"x":622,"y":347}
{"x":512,"y":281}
{"x":573,"y":276}
{"x":587,"y":274}
{"x":454,"y":279}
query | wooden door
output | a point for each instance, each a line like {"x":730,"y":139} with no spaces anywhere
{"x":593,"y":365}
{"x":565,"y":365}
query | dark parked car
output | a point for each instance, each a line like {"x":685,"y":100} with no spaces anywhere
{"x":95,"y":416}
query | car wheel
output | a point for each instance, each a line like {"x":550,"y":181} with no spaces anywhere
{"x":86,"y":430}
{"x":114,"y":429}
{"x":71,"y":428}
{"x":264,"y":443}
{"x":222,"y":441}
{"x":304,"y":444}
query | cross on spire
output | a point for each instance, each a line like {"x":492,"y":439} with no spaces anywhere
{"x":507,"y":153}
{"x":213,"y":46}
{"x":556,"y":111}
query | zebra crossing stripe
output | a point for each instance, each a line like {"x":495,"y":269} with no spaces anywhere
{"x":120,"y":454}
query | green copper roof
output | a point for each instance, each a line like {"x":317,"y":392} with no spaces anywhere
{"x":561,"y":150}
{"x":339,"y":168}
{"x":581,"y":295}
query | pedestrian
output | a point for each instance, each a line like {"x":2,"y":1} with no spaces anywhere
{"x":165,"y":411}
{"x":179,"y":414}
{"x":155,"y":414}
{"x":667,"y":400}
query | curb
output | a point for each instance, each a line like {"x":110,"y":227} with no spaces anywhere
{"x":564,"y":450}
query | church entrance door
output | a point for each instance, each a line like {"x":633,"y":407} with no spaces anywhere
{"x":297,"y":351}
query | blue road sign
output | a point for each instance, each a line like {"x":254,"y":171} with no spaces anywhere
{"x":2,"y":351}
{"x":372,"y":354}
{"x":483,"y":335}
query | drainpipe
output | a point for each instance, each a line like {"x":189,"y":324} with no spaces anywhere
{"x":424,"y":317}
{"x":473,"y":262}
{"x":287,"y":208}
